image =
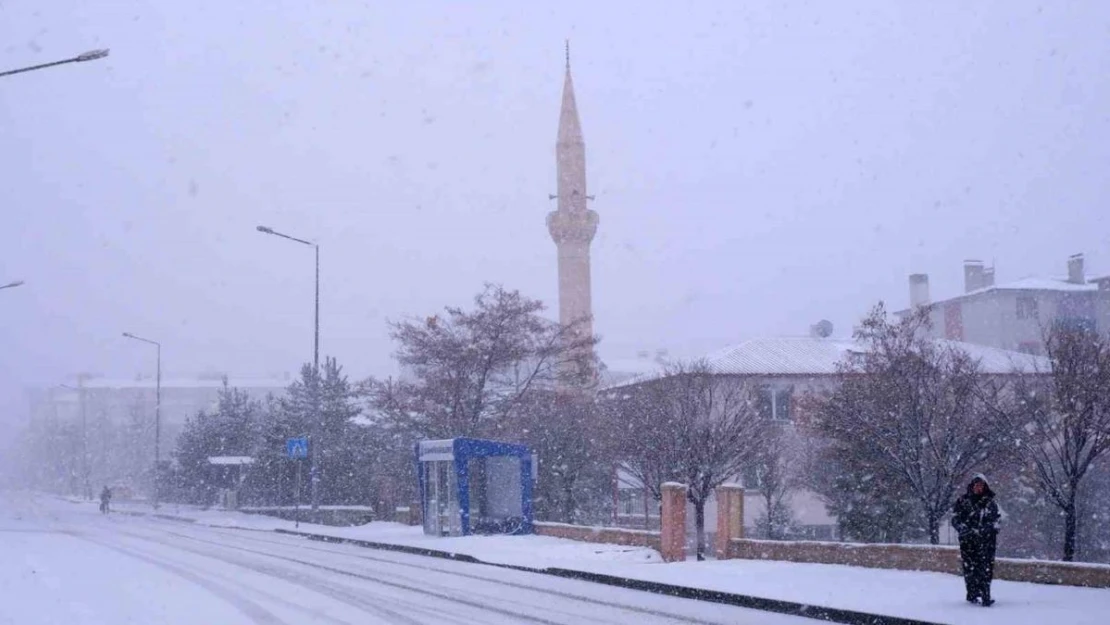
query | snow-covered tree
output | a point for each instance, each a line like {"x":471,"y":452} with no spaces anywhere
{"x":474,"y":368}
{"x":575,"y":472}
{"x":1061,"y":420}
{"x":231,"y":428}
{"x":911,"y":411}
{"x":777,"y":472}
{"x":335,"y":442}
{"x":689,"y":425}
{"x":860,"y":489}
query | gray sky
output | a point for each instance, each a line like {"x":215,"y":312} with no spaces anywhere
{"x":757,"y":167}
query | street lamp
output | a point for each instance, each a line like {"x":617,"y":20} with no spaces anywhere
{"x":12,"y":285}
{"x":91,"y":55}
{"x":157,"y":411}
{"x":315,"y":361}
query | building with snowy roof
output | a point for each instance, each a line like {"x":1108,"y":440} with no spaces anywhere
{"x":782,"y":371}
{"x":1013,"y":315}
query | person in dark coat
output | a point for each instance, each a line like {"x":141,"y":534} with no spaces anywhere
{"x":976,"y":517}
{"x":105,"y":499}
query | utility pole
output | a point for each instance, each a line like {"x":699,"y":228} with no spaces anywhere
{"x":81,"y":378}
{"x":157,"y":415}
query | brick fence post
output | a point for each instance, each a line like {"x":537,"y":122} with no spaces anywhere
{"x":730,"y":518}
{"x":672,"y":534}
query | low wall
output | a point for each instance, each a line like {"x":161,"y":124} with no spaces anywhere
{"x":609,"y":535}
{"x":407,"y":515}
{"x":938,"y":558}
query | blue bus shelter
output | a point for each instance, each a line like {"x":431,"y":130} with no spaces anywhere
{"x":473,"y":486}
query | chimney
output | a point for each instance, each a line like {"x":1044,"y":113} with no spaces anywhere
{"x":1075,"y":269}
{"x":973,"y":275}
{"x":919,"y":289}
{"x":988,"y":276}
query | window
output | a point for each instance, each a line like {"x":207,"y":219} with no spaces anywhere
{"x":783,"y":397}
{"x":775,"y":402}
{"x":1030,"y":347}
{"x":752,"y":477}
{"x":1074,"y":324}
{"x":1026,"y":307}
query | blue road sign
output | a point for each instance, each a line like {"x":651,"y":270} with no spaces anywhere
{"x":296,"y":448}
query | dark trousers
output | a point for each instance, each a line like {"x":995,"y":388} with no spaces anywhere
{"x":977,"y":554}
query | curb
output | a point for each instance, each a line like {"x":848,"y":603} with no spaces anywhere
{"x":790,"y":608}
{"x":157,"y":515}
{"x":416,"y":551}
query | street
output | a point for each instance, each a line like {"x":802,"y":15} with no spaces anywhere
{"x":64,"y":563}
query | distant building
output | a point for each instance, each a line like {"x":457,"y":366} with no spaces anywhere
{"x":118,"y":401}
{"x":113,"y":420}
{"x":1013,"y":315}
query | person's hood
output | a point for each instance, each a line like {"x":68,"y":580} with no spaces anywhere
{"x":986,"y":491}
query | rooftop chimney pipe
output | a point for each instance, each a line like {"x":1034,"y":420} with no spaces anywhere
{"x":973,"y":275}
{"x":1075,"y":269}
{"x":919,"y":289}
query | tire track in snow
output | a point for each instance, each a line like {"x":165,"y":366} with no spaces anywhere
{"x":349,"y":598}
{"x":247,"y":607}
{"x":415,"y":587}
{"x":244,"y":535}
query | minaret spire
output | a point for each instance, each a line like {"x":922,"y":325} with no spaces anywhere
{"x":572,"y":225}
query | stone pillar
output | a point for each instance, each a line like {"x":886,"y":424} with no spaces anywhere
{"x":730,"y":518}
{"x":672,"y":533}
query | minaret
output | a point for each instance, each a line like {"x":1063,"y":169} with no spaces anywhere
{"x":572,"y":225}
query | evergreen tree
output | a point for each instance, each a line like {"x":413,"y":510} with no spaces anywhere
{"x":231,"y":429}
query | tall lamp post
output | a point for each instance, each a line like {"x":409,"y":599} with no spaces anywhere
{"x":157,"y":412}
{"x":91,"y":55}
{"x":315,"y":365}
{"x":11,"y":285}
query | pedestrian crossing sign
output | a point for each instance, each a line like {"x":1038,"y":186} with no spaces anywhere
{"x":296,"y":448}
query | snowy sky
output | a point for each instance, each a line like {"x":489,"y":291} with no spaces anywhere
{"x":757,"y":166}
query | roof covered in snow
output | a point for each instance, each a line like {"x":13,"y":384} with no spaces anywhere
{"x":1038,"y":284}
{"x":810,"y":356}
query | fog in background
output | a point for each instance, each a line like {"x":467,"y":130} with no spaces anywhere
{"x":756,"y":168}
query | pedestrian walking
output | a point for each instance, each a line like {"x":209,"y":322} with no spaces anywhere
{"x":975,"y":517}
{"x":105,"y":499}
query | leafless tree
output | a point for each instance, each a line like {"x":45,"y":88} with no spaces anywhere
{"x":914,"y":407}
{"x":777,"y":469}
{"x":474,"y":367}
{"x":695,"y":427}
{"x":574,"y":480}
{"x":1062,"y":418}
{"x":643,"y":436}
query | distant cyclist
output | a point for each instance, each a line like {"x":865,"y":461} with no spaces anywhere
{"x":105,"y":499}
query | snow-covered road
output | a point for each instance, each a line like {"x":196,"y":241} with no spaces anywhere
{"x":64,"y":563}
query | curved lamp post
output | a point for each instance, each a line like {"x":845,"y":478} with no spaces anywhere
{"x":91,"y":55}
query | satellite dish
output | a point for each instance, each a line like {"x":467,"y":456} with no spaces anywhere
{"x":824,"y":328}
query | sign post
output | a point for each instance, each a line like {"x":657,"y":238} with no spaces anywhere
{"x":297,"y":449}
